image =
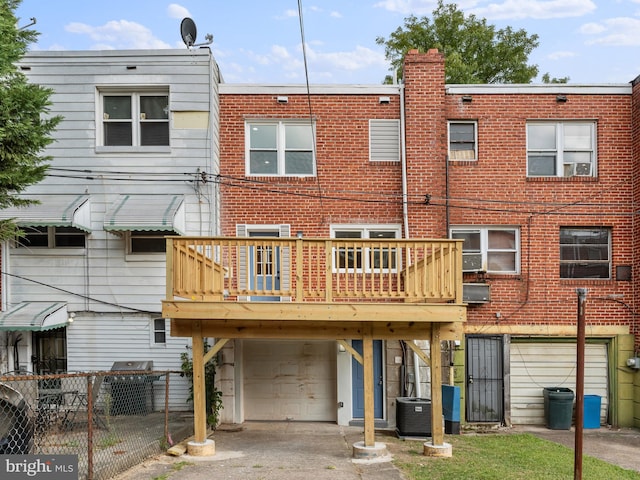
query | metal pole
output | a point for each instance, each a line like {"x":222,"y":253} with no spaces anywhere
{"x":90,"y":401}
{"x":577,"y":464}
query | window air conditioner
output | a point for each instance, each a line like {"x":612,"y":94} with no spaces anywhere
{"x":476,"y":293}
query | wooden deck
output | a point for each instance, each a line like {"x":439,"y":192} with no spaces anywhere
{"x":341,"y":289}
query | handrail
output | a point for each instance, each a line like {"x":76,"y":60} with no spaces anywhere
{"x":314,"y":269}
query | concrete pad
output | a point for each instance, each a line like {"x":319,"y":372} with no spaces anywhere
{"x":444,"y":450}
{"x":204,"y":449}
{"x":364,"y":452}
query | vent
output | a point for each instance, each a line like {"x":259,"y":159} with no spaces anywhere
{"x":476,"y":293}
{"x":413,"y":417}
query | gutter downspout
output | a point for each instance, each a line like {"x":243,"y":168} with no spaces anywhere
{"x":405,"y":215}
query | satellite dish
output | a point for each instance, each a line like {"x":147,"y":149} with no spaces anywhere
{"x":188,"y":31}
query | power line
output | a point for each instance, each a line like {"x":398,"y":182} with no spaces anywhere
{"x":84,"y":297}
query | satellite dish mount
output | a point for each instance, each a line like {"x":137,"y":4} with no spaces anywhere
{"x":189,"y":33}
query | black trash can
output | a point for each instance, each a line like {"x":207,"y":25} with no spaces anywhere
{"x":558,"y":407}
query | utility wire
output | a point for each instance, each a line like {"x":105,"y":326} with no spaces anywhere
{"x":84,"y":297}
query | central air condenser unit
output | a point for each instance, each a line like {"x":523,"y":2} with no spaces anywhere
{"x":413,"y":417}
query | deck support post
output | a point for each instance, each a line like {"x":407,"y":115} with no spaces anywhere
{"x":437,"y":447}
{"x":200,"y":446}
{"x":369,"y":406}
{"x":199,"y":408}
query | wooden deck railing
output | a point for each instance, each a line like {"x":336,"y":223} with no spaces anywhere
{"x":301,"y":270}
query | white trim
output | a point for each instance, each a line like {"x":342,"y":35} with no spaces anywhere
{"x":283,"y":89}
{"x":548,"y":89}
{"x":281,"y":125}
{"x":475,"y":140}
{"x":483,"y":231}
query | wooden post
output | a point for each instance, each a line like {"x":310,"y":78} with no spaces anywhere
{"x":369,"y":405}
{"x":437,"y":429}
{"x":199,"y":407}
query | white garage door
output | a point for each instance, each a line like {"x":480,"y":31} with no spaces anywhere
{"x":290,"y":380}
{"x":535,"y":366}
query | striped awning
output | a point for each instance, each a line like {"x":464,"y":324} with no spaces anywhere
{"x":52,"y":211}
{"x":154,"y":213}
{"x":35,"y":316}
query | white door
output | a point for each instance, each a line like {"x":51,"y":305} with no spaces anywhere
{"x":289,"y":380}
{"x":535,"y":366}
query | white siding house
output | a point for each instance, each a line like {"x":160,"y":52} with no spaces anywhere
{"x":135,"y":159}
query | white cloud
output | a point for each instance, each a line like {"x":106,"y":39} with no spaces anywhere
{"x":620,"y":32}
{"x":323,"y":66}
{"x":506,"y":9}
{"x":335,"y":14}
{"x":357,"y":59}
{"x":405,"y":7}
{"x":560,"y":55}
{"x":592,"y":28}
{"x":539,"y":9}
{"x":118,"y":34}
{"x":177,"y":11}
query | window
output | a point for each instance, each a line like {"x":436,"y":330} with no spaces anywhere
{"x":463,"y":141}
{"x":148,"y":242}
{"x":384,"y":140}
{"x":282,"y":148}
{"x":159,"y":331}
{"x":373,"y":258}
{"x":585,"y":252}
{"x":560,"y":149}
{"x":135,"y":119}
{"x":489,"y":249}
{"x":52,"y":237}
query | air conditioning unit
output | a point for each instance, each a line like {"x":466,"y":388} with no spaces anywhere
{"x":413,"y":417}
{"x":476,"y":293}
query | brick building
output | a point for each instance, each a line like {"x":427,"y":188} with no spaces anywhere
{"x":540,"y":182}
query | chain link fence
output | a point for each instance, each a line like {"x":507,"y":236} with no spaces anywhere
{"x":112,"y":420}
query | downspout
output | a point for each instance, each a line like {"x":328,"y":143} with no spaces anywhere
{"x":405,"y":216}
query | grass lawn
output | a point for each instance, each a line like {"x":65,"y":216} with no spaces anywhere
{"x":500,"y":456}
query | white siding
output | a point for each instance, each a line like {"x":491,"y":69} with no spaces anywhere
{"x":95,"y":341}
{"x":535,"y":366}
{"x":115,"y":295}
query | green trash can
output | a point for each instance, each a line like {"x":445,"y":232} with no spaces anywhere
{"x":558,"y":407}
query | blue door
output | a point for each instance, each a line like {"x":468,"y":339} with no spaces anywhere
{"x":358,"y":380}
{"x":264,"y":268}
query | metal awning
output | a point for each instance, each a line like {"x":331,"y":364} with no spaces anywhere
{"x":35,"y":316}
{"x":154,"y":213}
{"x":52,"y":211}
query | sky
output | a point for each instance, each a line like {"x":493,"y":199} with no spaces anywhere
{"x":260,"y":41}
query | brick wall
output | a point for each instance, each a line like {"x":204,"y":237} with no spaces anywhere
{"x":348,"y":188}
{"x":495,"y":191}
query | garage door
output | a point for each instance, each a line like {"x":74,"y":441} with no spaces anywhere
{"x":290,"y":380}
{"x":538,"y":365}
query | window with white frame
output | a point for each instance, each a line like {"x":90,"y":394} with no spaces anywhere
{"x":585,"y":252}
{"x":561,"y":149}
{"x":280,"y":148}
{"x":379,"y":256}
{"x":384,"y":140}
{"x":489,"y":249}
{"x":134,"y":119}
{"x":52,"y":237}
{"x":463,"y":140}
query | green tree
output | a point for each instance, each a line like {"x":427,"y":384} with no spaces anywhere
{"x":474,"y":51}
{"x":547,"y":78}
{"x":25,"y":122}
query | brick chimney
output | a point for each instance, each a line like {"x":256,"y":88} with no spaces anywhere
{"x":426,"y":141}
